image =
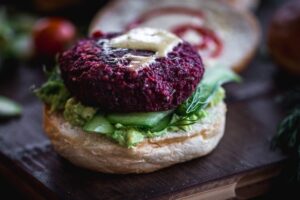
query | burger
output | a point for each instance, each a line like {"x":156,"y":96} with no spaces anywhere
{"x":133,"y":102}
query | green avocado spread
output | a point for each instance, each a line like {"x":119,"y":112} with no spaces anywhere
{"x":76,"y":113}
{"x":129,"y":129}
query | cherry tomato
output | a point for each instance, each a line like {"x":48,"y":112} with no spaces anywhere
{"x":52,"y":35}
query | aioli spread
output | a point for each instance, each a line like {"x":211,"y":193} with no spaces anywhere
{"x":159,"y":41}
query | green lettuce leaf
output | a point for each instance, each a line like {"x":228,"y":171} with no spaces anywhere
{"x":206,"y":90}
{"x":53,"y":92}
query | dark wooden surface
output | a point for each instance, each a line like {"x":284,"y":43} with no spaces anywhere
{"x":251,"y":122}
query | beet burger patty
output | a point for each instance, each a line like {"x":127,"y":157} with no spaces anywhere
{"x":157,"y":74}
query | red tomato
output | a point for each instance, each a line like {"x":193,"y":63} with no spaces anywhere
{"x":52,"y":35}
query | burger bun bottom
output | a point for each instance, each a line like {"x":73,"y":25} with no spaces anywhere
{"x":96,"y":152}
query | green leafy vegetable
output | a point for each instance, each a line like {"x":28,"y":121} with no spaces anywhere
{"x":9,"y":108}
{"x":208,"y":93}
{"x":206,"y":90}
{"x":53,"y":92}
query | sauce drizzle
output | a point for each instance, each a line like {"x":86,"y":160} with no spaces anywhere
{"x":159,"y":41}
{"x":208,"y":36}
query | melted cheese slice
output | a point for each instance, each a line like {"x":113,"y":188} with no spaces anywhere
{"x":159,"y":41}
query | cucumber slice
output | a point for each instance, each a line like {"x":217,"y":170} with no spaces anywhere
{"x":162,"y":124}
{"x":9,"y":108}
{"x":98,"y":124}
{"x":148,"y":119}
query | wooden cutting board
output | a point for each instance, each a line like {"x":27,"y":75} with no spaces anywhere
{"x":242,"y":161}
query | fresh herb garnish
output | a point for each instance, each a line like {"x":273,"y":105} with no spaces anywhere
{"x":194,"y":107}
{"x":288,"y":134}
{"x":212,"y":81}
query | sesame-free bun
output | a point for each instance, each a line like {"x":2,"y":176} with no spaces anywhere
{"x":244,"y":4}
{"x":237,"y":29}
{"x":98,"y":153}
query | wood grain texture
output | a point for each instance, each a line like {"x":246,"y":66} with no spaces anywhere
{"x":251,"y":122}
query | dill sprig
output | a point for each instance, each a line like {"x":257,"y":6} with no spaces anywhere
{"x":288,"y":134}
{"x":200,"y":99}
{"x":187,"y":120}
{"x":208,"y":91}
{"x":212,"y":81}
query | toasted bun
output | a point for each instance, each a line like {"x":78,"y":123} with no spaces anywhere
{"x":237,"y":29}
{"x":96,"y":152}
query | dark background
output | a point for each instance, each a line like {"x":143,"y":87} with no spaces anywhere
{"x":86,"y":9}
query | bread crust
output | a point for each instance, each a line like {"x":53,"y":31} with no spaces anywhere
{"x":240,"y":28}
{"x":98,"y":153}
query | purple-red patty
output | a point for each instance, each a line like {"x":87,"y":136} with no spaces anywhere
{"x":98,"y":75}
